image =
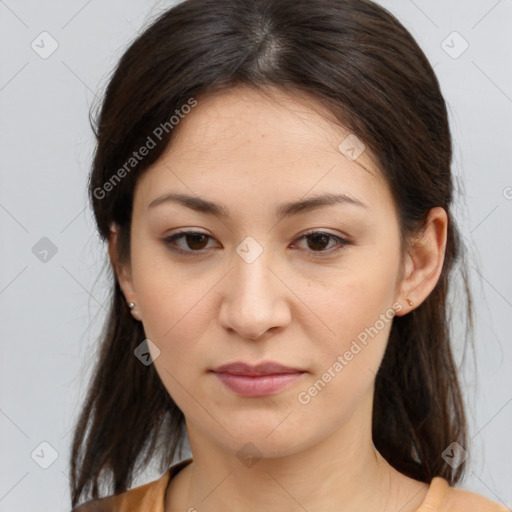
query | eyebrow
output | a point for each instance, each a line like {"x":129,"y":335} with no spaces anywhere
{"x":286,"y":209}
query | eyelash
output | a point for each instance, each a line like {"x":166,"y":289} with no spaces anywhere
{"x":170,"y":243}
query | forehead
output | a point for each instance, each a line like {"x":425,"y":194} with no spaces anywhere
{"x":241,"y":140}
{"x":286,"y":124}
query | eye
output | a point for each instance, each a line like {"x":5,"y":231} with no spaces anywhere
{"x":196,"y":242}
{"x":317,"y":240}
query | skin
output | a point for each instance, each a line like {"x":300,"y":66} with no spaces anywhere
{"x":251,"y":153}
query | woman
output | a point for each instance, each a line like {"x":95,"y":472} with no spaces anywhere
{"x":273,"y":180}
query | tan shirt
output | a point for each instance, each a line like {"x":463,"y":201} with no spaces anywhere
{"x":150,"y":498}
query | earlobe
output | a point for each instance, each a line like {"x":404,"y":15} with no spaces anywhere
{"x":424,"y":261}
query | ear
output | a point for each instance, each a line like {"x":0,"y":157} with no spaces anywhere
{"x":122,"y":271}
{"x":423,"y":262}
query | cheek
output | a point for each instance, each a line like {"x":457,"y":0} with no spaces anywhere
{"x":174,"y":317}
{"x":176,"y":307}
{"x":361,"y":325}
{"x":345,"y":363}
{"x":357,"y":308}
{"x":164,"y":292}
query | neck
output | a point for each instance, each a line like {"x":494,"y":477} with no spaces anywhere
{"x":344,"y":472}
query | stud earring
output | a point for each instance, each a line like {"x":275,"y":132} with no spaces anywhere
{"x":410,"y":302}
{"x":131,"y":305}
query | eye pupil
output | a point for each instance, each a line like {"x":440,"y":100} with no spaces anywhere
{"x":316,"y":237}
{"x":196,"y":238}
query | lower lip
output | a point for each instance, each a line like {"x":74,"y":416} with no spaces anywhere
{"x":257,"y":386}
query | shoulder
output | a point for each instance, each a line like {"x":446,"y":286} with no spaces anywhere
{"x":467,"y":501}
{"x":443,"y":498}
{"x":140,"y":498}
{"x":146,"y":497}
{"x":100,"y":505}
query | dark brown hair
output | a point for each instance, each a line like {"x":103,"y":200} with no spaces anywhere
{"x":360,"y":63}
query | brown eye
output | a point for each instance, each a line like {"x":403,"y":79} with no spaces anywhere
{"x":318,"y":241}
{"x":194,"y":241}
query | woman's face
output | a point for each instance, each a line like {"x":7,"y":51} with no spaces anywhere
{"x":254,"y":288}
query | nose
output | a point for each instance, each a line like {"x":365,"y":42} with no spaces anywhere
{"x":255,"y":299}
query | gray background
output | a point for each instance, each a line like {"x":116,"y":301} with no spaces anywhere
{"x":52,"y":310}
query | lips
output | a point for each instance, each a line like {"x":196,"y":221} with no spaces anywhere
{"x":259,"y":380}
{"x":266,"y":368}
